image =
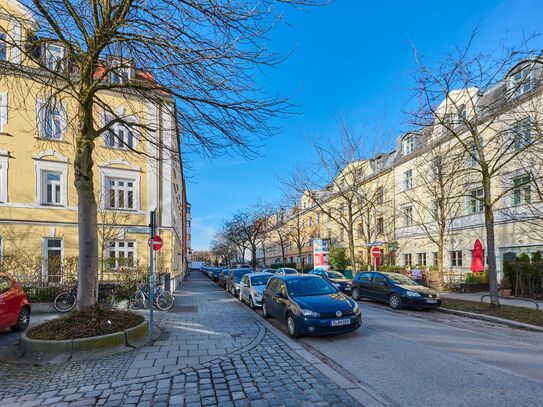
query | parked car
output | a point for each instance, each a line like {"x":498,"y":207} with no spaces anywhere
{"x":309,"y":305}
{"x":215,"y":273}
{"x":244,"y":266}
{"x":337,"y":279}
{"x":251,"y":288}
{"x":207,"y":271}
{"x":234,"y":278}
{"x":272,"y":271}
{"x":223,"y":276}
{"x":285,"y":270}
{"x":15,"y":307}
{"x":395,"y":289}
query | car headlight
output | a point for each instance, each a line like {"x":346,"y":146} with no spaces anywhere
{"x":412,"y":293}
{"x":257,"y":294}
{"x":356,"y":309}
{"x":310,"y":313}
{"x":335,"y":285}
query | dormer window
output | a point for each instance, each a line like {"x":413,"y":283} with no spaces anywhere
{"x":54,"y":56}
{"x":522,"y":81}
{"x":408,"y":145}
{"x":122,"y":71}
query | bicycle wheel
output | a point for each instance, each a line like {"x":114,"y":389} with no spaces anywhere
{"x":106,"y":299}
{"x":65,"y":302}
{"x":136,"y":301}
{"x":164,"y":301}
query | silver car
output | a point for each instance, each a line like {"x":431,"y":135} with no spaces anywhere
{"x":285,"y":270}
{"x":251,"y":288}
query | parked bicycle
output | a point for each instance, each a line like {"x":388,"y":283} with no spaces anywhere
{"x":163,"y":300}
{"x":66,"y":301}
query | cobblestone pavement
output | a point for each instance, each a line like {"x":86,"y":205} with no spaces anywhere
{"x":211,"y":352}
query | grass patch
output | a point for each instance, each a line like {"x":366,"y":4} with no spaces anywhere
{"x":518,"y":314}
{"x":85,"y":324}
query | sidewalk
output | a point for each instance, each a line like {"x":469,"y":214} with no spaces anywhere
{"x":213,"y":351}
{"x":505,"y":301}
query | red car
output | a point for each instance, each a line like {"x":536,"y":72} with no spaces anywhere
{"x":14,"y":305}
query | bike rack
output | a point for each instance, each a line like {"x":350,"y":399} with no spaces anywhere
{"x":514,"y":298}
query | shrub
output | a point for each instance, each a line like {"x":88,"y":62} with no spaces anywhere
{"x":339,"y":260}
{"x":476,"y":278}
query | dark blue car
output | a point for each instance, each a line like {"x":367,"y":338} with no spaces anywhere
{"x":309,"y":305}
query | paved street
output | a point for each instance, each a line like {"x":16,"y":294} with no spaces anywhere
{"x":212,"y":351}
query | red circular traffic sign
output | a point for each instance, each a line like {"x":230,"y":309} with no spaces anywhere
{"x":157,"y":242}
{"x":376,"y":252}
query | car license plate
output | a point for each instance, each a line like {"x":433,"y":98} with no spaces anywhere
{"x":347,"y":288}
{"x":431,"y":301}
{"x":339,"y":322}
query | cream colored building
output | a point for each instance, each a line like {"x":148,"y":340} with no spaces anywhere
{"x":38,"y":200}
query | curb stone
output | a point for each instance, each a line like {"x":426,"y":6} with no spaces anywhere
{"x":490,"y":318}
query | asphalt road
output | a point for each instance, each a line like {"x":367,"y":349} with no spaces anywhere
{"x":418,"y":358}
{"x":8,"y":338}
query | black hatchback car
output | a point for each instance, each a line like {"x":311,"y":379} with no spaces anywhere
{"x":309,"y":305}
{"x":395,"y":289}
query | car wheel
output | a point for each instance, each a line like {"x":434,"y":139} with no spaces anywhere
{"x":395,"y":301}
{"x":265,"y":310}
{"x":251,"y":303}
{"x":291,"y":327}
{"x":355,"y":294}
{"x":22,"y":321}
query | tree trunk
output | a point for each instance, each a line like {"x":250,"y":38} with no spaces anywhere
{"x":440,"y":256}
{"x":283,"y":254}
{"x":87,"y":272}
{"x":301,"y":260}
{"x":490,"y":245}
{"x":352,"y":253}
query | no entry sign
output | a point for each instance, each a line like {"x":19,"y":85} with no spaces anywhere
{"x":157,"y":242}
{"x":375,"y":251}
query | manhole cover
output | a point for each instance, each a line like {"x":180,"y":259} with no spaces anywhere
{"x":185,"y":309}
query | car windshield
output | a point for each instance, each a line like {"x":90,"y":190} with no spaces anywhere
{"x":289,"y":271}
{"x":305,"y":286}
{"x":238,"y":274}
{"x":260,"y":280}
{"x":401,"y":279}
{"x":334,"y":274}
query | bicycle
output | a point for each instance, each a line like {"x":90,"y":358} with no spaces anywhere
{"x":66,"y":300}
{"x":163,"y":300}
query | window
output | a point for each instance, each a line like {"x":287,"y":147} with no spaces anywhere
{"x":434,"y":259}
{"x":121,"y":72}
{"x":522,"y":81}
{"x":120,"y":137}
{"x":318,"y":218}
{"x":407,"y":259}
{"x":476,"y":200}
{"x":308,"y":259}
{"x":291,"y":259}
{"x":3,"y":178}
{"x":380,"y":228}
{"x":54,"y":54}
{"x":473,"y":155}
{"x":52,"y":188}
{"x":522,"y":134}
{"x":3,"y":110}
{"x":378,"y":278}
{"x":456,"y":258}
{"x":120,"y":253}
{"x":379,"y":195}
{"x":52,"y":253}
{"x":360,"y":230}
{"x":120,"y":193}
{"x":522,"y":190}
{"x":408,"y":145}
{"x":363,"y":277}
{"x":437,"y":168}
{"x":3,"y":47}
{"x":51,"y":118}
{"x":421,"y":259}
{"x":408,"y":180}
{"x":408,"y":215}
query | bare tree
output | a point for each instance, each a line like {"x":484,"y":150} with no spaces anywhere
{"x":202,"y":56}
{"x":490,"y":107}
{"x":223,"y":249}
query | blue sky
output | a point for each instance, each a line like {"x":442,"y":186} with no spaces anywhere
{"x":353,"y":58}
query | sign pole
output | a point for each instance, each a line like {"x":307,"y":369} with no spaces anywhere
{"x":151,"y":274}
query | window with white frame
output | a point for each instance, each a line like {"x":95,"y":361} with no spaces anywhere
{"x":407,"y":259}
{"x":380,"y":195}
{"x":120,"y":193}
{"x":435,"y":259}
{"x":421,"y":259}
{"x":120,"y":136}
{"x":51,"y":119}
{"x":3,"y":110}
{"x":121,"y":71}
{"x":408,"y":145}
{"x":522,"y":190}
{"x":3,"y":178}
{"x":120,"y":254}
{"x":54,"y":55}
{"x":437,"y":168}
{"x":456,"y":258}
{"x":522,"y":134}
{"x":52,"y":251}
{"x":408,"y":215}
{"x":476,"y":200}
{"x":380,"y":227}
{"x":408,"y":179}
{"x":522,"y":81}
{"x":51,"y":188}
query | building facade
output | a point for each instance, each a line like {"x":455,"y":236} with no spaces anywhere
{"x":132,"y":174}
